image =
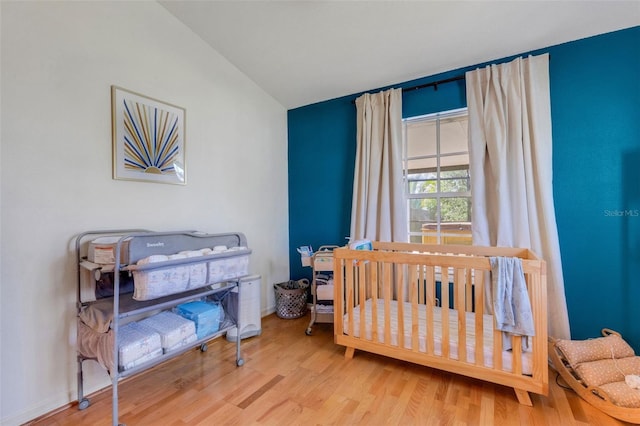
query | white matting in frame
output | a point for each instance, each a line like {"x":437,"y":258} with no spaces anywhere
{"x":148,"y":138}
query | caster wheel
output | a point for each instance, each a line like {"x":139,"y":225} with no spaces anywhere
{"x":240,"y":362}
{"x":203,"y":347}
{"x":307,"y":332}
{"x":84,"y":404}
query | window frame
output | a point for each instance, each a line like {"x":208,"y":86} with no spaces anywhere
{"x":438,"y":195}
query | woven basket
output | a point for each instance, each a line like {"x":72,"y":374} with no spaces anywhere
{"x":291,"y":298}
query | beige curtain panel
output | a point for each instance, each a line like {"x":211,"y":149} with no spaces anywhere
{"x":378,"y":210}
{"x":510,"y":150}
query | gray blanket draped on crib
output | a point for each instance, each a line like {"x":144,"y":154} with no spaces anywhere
{"x":510,"y":299}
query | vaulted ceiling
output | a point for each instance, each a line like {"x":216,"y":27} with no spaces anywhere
{"x":302,"y":52}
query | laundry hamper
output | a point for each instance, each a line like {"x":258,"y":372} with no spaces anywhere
{"x":291,"y":298}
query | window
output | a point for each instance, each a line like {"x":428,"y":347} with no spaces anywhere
{"x":437,"y":182}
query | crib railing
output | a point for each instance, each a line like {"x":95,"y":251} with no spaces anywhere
{"x":445,"y":282}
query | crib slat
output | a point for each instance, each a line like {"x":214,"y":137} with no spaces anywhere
{"x":338,"y":296}
{"x":516,"y":354}
{"x":422,"y":285}
{"x":444,"y":312}
{"x":430,"y":288}
{"x":387,"y":302}
{"x":362,"y":287}
{"x":413,"y":296}
{"x":399,"y":281}
{"x":459,"y":286}
{"x":349,"y":287}
{"x":497,"y":349}
{"x":537,"y":286}
{"x":479,"y":306}
{"x":469,"y":288}
{"x":374,"y":287}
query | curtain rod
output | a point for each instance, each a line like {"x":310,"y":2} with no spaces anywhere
{"x":433,"y":84}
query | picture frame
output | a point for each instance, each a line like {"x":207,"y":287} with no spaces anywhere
{"x":148,"y":137}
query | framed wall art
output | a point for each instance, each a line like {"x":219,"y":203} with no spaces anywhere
{"x":148,"y":138}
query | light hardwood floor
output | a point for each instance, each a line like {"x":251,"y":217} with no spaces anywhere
{"x":292,"y":379}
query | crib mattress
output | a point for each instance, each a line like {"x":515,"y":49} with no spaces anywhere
{"x":507,"y":356}
{"x":174,"y":330}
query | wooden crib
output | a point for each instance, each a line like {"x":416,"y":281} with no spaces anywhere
{"x":408,"y":314}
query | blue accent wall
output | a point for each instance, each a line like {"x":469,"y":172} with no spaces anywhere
{"x":322,"y":154}
{"x":595,"y":102}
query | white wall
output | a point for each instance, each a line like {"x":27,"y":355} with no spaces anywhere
{"x":59,"y":60}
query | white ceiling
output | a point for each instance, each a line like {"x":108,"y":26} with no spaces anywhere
{"x":302,"y":52}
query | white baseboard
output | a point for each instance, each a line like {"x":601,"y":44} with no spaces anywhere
{"x":268,"y":311}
